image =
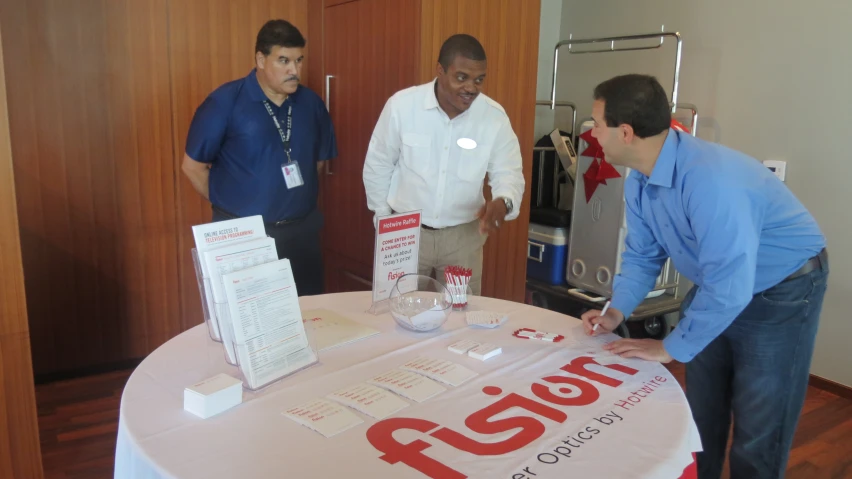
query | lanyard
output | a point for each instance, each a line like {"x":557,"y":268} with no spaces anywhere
{"x":284,"y":138}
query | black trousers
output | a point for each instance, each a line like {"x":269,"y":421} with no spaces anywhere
{"x":300,"y":243}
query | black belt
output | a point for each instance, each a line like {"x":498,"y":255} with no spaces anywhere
{"x":819,"y":261}
{"x":277,"y":223}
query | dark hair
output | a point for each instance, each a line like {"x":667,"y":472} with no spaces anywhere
{"x":635,"y":100}
{"x":460,"y":44}
{"x":278,"y":33}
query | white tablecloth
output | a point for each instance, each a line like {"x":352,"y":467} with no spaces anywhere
{"x":653,"y":436}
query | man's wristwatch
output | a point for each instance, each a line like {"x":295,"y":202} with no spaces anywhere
{"x":508,"y":204}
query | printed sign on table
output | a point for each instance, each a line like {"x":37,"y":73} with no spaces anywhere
{"x":397,"y":251}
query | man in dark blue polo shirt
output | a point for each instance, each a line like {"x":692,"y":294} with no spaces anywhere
{"x":256,"y":147}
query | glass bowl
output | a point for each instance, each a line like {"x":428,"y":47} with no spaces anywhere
{"x":420,"y":303}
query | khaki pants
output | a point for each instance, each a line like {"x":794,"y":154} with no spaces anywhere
{"x":454,"y":246}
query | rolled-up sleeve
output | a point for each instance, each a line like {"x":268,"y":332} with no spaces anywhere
{"x":726,"y":224}
{"x":505,"y":169}
{"x":643,"y":256}
{"x":382,"y":157}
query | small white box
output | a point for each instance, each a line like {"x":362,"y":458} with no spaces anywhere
{"x":213,"y":396}
{"x":485,"y":351}
{"x":463,"y":346}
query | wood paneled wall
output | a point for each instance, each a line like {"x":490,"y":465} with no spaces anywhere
{"x":212,"y":42}
{"x":89,"y":105}
{"x":101,"y":94}
{"x":508,"y":29}
{"x":20,"y":456}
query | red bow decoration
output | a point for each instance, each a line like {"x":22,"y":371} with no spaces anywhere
{"x":679,"y":126}
{"x":599,"y":171}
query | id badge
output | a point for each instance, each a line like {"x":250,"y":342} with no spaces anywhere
{"x":292,"y":175}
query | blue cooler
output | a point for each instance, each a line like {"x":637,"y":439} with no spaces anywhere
{"x":547,"y":253}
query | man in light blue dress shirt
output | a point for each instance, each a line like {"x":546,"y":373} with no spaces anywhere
{"x":758,"y":261}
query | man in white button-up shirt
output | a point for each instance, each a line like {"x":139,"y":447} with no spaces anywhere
{"x":430,"y":151}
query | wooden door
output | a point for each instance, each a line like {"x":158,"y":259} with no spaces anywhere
{"x":370,"y":51}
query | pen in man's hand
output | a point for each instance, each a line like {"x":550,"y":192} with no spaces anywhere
{"x":606,"y":307}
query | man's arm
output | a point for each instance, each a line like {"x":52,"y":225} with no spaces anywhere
{"x":198,"y":174}
{"x":505,"y":169}
{"x":382,"y":157}
{"x":643,"y":256}
{"x":205,"y":137}
{"x":726,"y":223}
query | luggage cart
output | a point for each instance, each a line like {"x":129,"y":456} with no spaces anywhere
{"x":598,"y":228}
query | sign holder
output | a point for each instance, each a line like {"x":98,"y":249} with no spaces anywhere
{"x":397,"y":253}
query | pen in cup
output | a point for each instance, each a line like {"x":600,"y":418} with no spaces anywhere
{"x":603,"y":312}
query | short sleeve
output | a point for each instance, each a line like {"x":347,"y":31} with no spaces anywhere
{"x":207,"y":131}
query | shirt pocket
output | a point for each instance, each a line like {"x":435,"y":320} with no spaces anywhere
{"x":473,"y":165}
{"x":416,"y":150}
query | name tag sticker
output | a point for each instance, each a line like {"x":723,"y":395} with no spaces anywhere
{"x":466,"y":143}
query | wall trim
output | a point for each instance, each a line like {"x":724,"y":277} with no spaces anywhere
{"x":828,"y":385}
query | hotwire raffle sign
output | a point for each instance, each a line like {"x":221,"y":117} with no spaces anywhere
{"x":397,"y":251}
{"x":576,"y":419}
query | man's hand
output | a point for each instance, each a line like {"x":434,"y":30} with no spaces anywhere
{"x":607,"y":323}
{"x":647,"y":349}
{"x":491,"y":216}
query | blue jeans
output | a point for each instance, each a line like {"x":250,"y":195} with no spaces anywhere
{"x":756,"y":370}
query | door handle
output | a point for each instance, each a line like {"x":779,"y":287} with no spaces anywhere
{"x":328,"y":107}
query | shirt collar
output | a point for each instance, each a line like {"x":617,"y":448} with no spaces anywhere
{"x":663,"y":173}
{"x":430,"y":100}
{"x":256,"y":93}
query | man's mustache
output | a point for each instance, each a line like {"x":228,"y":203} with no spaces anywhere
{"x":294,"y":77}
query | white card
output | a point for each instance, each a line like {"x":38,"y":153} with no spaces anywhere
{"x":292,"y":175}
{"x":446,"y":372}
{"x":463,"y":346}
{"x":407,"y":384}
{"x":370,"y":400}
{"x":485,"y":351}
{"x":323,"y":416}
{"x":485,"y":319}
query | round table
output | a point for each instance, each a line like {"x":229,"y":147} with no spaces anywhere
{"x":566,"y":416}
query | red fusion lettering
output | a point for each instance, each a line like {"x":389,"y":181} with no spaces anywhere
{"x":480,"y":422}
{"x":529,"y":428}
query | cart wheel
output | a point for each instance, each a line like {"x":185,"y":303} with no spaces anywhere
{"x":656,"y":327}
